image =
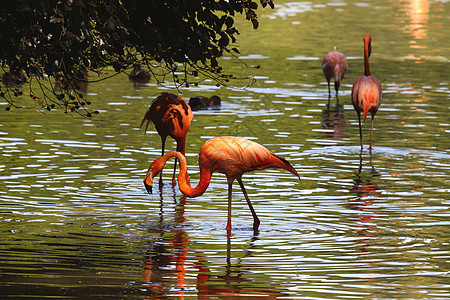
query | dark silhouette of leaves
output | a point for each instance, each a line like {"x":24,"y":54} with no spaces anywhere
{"x":55,"y":42}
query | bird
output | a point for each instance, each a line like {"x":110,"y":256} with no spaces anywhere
{"x":366,"y":91}
{"x":172,"y":117}
{"x":334,"y":65}
{"x":232,"y":156}
{"x":202,"y":102}
{"x":77,"y":81}
{"x":14,"y":79}
{"x":139,"y":75}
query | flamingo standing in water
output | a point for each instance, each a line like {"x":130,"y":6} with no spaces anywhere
{"x":231,"y":156}
{"x":334,"y":65}
{"x":366,"y":91}
{"x":172,"y":116}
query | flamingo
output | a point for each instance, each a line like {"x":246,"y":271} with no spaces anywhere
{"x":172,"y":116}
{"x":334,"y":65}
{"x":202,"y":102}
{"x":366,"y":91}
{"x":232,"y":156}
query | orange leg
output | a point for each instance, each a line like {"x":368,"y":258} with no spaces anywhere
{"x":371,"y":130}
{"x":163,"y":142}
{"x":230,"y":188}
{"x":255,"y":217}
{"x":360,"y":130}
{"x":174,"y":181}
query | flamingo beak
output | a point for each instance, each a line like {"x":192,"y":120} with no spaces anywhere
{"x":148,"y":183}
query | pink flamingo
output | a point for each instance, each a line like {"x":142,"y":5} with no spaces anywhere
{"x":334,"y":65}
{"x":366,"y":91}
{"x":231,"y":156}
{"x":172,"y":117}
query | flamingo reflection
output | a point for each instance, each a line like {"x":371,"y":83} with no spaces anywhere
{"x":234,"y":285}
{"x":168,"y":255}
{"x":174,"y":269}
{"x":364,"y":189}
{"x":333,"y":122}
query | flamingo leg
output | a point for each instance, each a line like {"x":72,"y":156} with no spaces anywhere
{"x":336,"y":87}
{"x":371,"y":130}
{"x":329,"y":91}
{"x":360,"y":130}
{"x":255,"y":217}
{"x":163,"y":142}
{"x":230,"y":189}
{"x":174,"y":181}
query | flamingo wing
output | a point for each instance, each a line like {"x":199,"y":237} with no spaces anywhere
{"x":366,"y":94}
{"x":333,"y":63}
{"x":234,"y":156}
{"x":170,"y":114}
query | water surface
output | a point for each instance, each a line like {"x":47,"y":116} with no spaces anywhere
{"x":76,"y":221}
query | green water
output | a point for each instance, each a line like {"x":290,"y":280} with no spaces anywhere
{"x":76,"y":221}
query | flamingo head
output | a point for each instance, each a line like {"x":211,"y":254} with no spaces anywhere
{"x":148,"y":180}
{"x":153,"y":171}
{"x":337,"y":77}
{"x":368,"y":41}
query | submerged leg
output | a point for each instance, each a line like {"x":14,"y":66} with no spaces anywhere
{"x":255,"y":217}
{"x":230,"y":188}
{"x":360,"y":130}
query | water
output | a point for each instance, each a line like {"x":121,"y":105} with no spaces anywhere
{"x":76,"y":221}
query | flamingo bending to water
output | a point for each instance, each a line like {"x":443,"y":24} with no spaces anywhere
{"x":231,"y":156}
{"x":366,"y":91}
{"x":334,"y":65}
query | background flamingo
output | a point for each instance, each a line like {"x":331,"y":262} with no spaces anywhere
{"x":334,"y":65}
{"x":231,"y":156}
{"x":366,"y":91}
{"x":172,"y":116}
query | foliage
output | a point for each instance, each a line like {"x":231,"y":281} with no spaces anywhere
{"x":49,"y":45}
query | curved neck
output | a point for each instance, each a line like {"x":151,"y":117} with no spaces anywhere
{"x":181,"y":145}
{"x":183,"y":177}
{"x":337,"y":76}
{"x":366,"y":59}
